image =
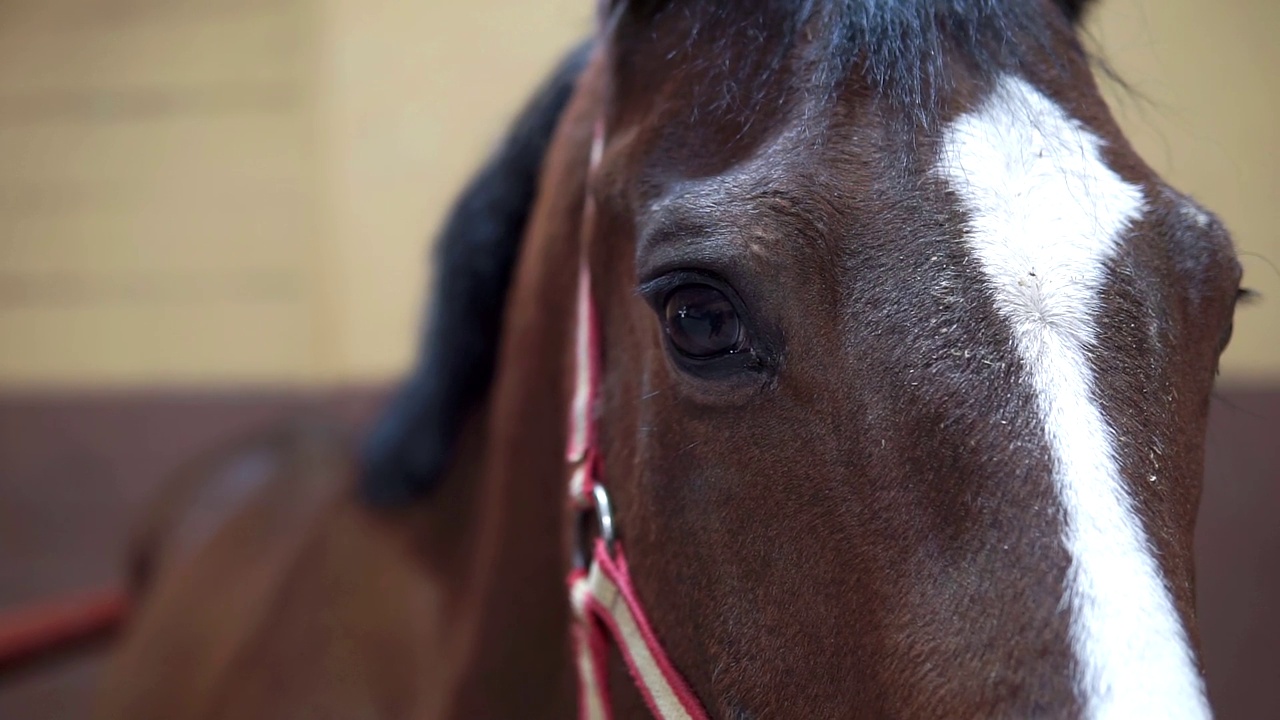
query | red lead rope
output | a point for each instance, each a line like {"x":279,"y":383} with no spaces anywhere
{"x":605,"y":604}
{"x":35,"y":631}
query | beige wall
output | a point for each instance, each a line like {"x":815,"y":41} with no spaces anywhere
{"x":1203,"y":112}
{"x":240,"y":191}
{"x":415,"y":94}
{"x":157,"y":192}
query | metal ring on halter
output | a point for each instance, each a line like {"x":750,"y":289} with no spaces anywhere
{"x":604,"y":515}
{"x":602,"y":509}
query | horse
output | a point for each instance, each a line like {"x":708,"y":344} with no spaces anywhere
{"x":812,"y":358}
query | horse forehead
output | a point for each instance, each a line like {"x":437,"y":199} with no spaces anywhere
{"x":1061,"y":212}
{"x":1035,"y":182}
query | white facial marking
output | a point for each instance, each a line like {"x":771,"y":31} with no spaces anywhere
{"x":1046,"y":213}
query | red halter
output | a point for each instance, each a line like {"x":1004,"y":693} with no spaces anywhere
{"x":605,"y":605}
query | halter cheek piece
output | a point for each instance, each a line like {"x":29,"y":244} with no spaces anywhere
{"x":605,"y":606}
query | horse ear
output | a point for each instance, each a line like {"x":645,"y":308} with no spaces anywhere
{"x":1075,"y":9}
{"x":412,"y":444}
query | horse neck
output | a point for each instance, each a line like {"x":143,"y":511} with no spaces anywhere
{"x":519,"y":657}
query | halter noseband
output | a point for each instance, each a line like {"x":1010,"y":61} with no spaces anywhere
{"x":604,"y":601}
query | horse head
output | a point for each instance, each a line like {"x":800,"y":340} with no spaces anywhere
{"x":904,"y":356}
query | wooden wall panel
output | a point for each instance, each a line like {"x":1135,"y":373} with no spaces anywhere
{"x":120,"y":44}
{"x":414,"y":95}
{"x":158,"y":193}
{"x":178,"y":152}
{"x":155,"y":195}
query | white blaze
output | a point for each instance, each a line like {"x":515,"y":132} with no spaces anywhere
{"x":1046,"y":213}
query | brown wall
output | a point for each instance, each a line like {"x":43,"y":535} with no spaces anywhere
{"x":74,"y":471}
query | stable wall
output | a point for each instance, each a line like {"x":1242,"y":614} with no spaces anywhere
{"x":230,"y":192}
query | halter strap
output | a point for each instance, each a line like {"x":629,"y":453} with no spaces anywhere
{"x":605,"y":607}
{"x":604,"y":601}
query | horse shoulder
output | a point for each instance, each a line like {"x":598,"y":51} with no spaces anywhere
{"x":207,"y":560}
{"x":266,"y":589}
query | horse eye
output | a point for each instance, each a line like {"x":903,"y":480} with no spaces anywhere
{"x":701,"y":322}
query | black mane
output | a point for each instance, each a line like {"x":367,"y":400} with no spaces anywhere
{"x":411,"y":445}
{"x":901,"y":47}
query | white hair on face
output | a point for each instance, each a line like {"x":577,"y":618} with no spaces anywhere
{"x":1045,"y":215}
